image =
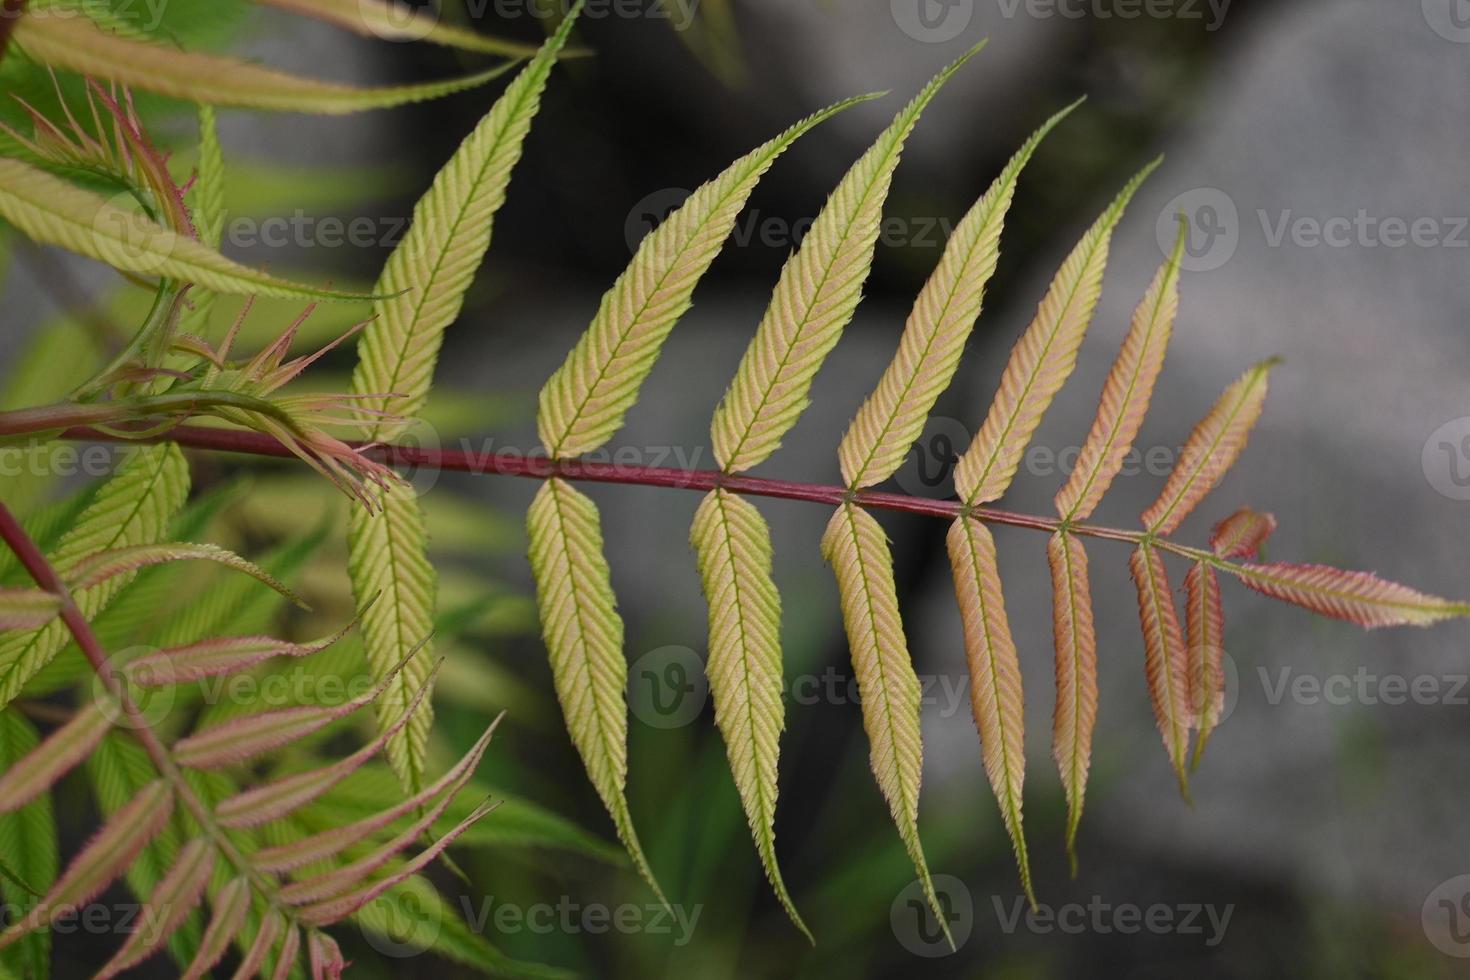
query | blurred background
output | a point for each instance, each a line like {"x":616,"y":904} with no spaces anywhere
{"x":1318,"y":148}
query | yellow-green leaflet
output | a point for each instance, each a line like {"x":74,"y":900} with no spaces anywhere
{"x":424,"y":281}
{"x":1041,"y":361}
{"x":934,"y":338}
{"x":423,"y":286}
{"x":733,"y":546}
{"x":76,"y":44}
{"x":52,"y":211}
{"x":132,"y":508}
{"x":208,"y":212}
{"x":379,"y":18}
{"x":856,"y":548}
{"x":819,"y":289}
{"x":995,"y":675}
{"x":584,"y":402}
{"x":387,"y":557}
{"x":584,"y":639}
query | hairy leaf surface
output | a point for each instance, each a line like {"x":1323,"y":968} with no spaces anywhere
{"x":584,"y":638}
{"x":1075,"y":638}
{"x":423,"y":284}
{"x":1204,"y":626}
{"x":36,"y":772}
{"x":1211,"y":449}
{"x":733,"y":546}
{"x":1165,"y":659}
{"x":892,"y":418}
{"x":1358,"y":597}
{"x":584,"y":401}
{"x":76,"y":44}
{"x":1242,"y":534}
{"x":1041,"y":361}
{"x":383,"y":19}
{"x":52,"y":211}
{"x":818,"y":292}
{"x":1126,"y":392}
{"x":28,"y":849}
{"x":856,"y":548}
{"x":995,"y":675}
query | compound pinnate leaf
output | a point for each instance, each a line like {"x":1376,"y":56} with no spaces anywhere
{"x":1358,"y":597}
{"x":134,"y":507}
{"x":63,"y":749}
{"x":733,"y":547}
{"x":818,"y":292}
{"x":1242,"y":534}
{"x":1126,"y":392}
{"x":995,"y":675}
{"x":76,"y":44}
{"x":1041,"y":361}
{"x":584,"y":401}
{"x":100,"y":861}
{"x":856,"y":548}
{"x":424,"y":281}
{"x":1075,"y":638}
{"x":52,"y":211}
{"x":380,"y":18}
{"x":1204,"y":628}
{"x":934,"y":337}
{"x":1165,"y":659}
{"x":584,"y":639}
{"x":1211,"y":449}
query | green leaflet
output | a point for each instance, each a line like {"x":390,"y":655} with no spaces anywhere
{"x":208,"y":212}
{"x":76,"y":44}
{"x":379,"y":18}
{"x":584,"y":639}
{"x":28,"y":849}
{"x":134,"y":507}
{"x":893,"y":417}
{"x":733,"y":546}
{"x":856,"y":548}
{"x":52,"y":211}
{"x":424,"y":283}
{"x":818,"y":292}
{"x":584,"y":402}
{"x":388,"y":559}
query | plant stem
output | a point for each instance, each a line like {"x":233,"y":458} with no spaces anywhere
{"x":45,"y":576}
{"x":541,"y":468}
